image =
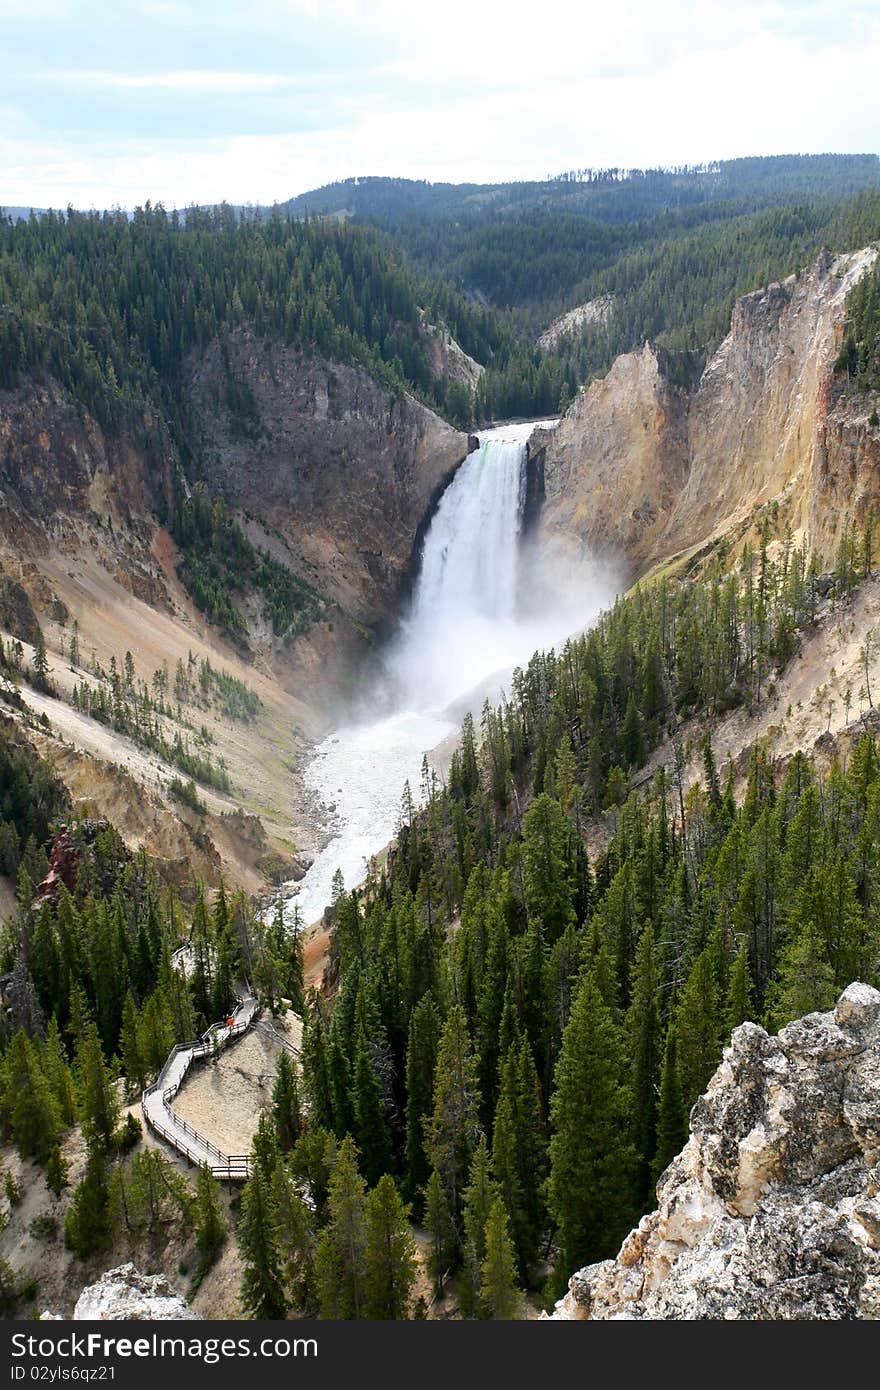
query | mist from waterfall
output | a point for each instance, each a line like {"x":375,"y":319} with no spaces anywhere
{"x":485,"y":600}
{"x":486,"y":597}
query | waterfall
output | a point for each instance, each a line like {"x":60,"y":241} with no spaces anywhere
{"x":466,"y":602}
{"x":469,"y":563}
{"x":482,"y":605}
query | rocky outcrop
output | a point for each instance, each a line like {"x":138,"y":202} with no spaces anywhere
{"x":573,"y":320}
{"x":646,"y":469}
{"x":65,"y":858}
{"x":616,"y":463}
{"x":772,"y":1209}
{"x":447,"y":358}
{"x":332,"y":466}
{"x":125,"y":1293}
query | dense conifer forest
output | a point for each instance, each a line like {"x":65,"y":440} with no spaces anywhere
{"x":112,"y":307}
{"x":519,"y":1026}
{"x":673,"y":247}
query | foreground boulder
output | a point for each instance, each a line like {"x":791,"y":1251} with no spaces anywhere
{"x":772,"y":1209}
{"x":125,"y":1293}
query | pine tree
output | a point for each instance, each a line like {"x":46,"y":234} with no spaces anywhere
{"x":98,"y":1104}
{"x":129,"y":1047}
{"x":518,"y":1152}
{"x":264,"y":1147}
{"x":671,"y":1114}
{"x":33,"y":1113}
{"x":804,"y":982}
{"x":480,"y":1193}
{"x":499,"y":1295}
{"x":259,"y":1240}
{"x":438,"y":1222}
{"x":390,"y":1253}
{"x":41,"y":663}
{"x":286,"y":1108}
{"x":421,"y":1061}
{"x":87,"y":1225}
{"x":297,"y":1245}
{"x":454,"y":1125}
{"x":631,"y":738}
{"x":370,"y":1125}
{"x":56,"y":1171}
{"x":316,"y":1068}
{"x":340,"y":1264}
{"x":58,"y":1074}
{"x":699,"y":1029}
{"x":211,"y":1228}
{"x":591,"y":1155}
{"x":547,"y":867}
{"x":643,"y":1039}
{"x":739,"y":994}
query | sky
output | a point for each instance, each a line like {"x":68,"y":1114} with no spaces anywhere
{"x":112,"y":102}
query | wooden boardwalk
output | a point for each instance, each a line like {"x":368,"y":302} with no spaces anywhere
{"x":161,"y":1116}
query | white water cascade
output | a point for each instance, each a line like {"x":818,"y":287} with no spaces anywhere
{"x":464,"y":618}
{"x":477,"y":611}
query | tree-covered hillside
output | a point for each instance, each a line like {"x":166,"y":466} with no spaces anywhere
{"x":520,"y":1029}
{"x":112,"y":306}
{"x":673,"y":248}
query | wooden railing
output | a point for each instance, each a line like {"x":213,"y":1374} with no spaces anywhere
{"x":233,"y":1167}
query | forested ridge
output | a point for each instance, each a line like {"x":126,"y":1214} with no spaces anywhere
{"x":674,"y":248}
{"x":112,"y":306}
{"x":608,"y":194}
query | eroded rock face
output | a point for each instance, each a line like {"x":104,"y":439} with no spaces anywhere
{"x":772,"y":1209}
{"x":324,"y":459}
{"x":643,"y":468}
{"x":125,"y":1293}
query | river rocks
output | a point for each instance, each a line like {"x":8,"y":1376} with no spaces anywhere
{"x":772,"y":1209}
{"x":125,"y":1293}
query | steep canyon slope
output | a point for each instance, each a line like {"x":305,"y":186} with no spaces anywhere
{"x":328,"y":472}
{"x":648,"y":470}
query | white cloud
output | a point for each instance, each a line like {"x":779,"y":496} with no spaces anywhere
{"x":484,"y":91}
{"x":188,"y":80}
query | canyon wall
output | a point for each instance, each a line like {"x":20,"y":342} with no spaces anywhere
{"x":325,"y":460}
{"x":649,"y":470}
{"x":323,"y":467}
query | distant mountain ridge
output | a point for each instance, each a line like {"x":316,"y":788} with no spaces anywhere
{"x":607,"y":194}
